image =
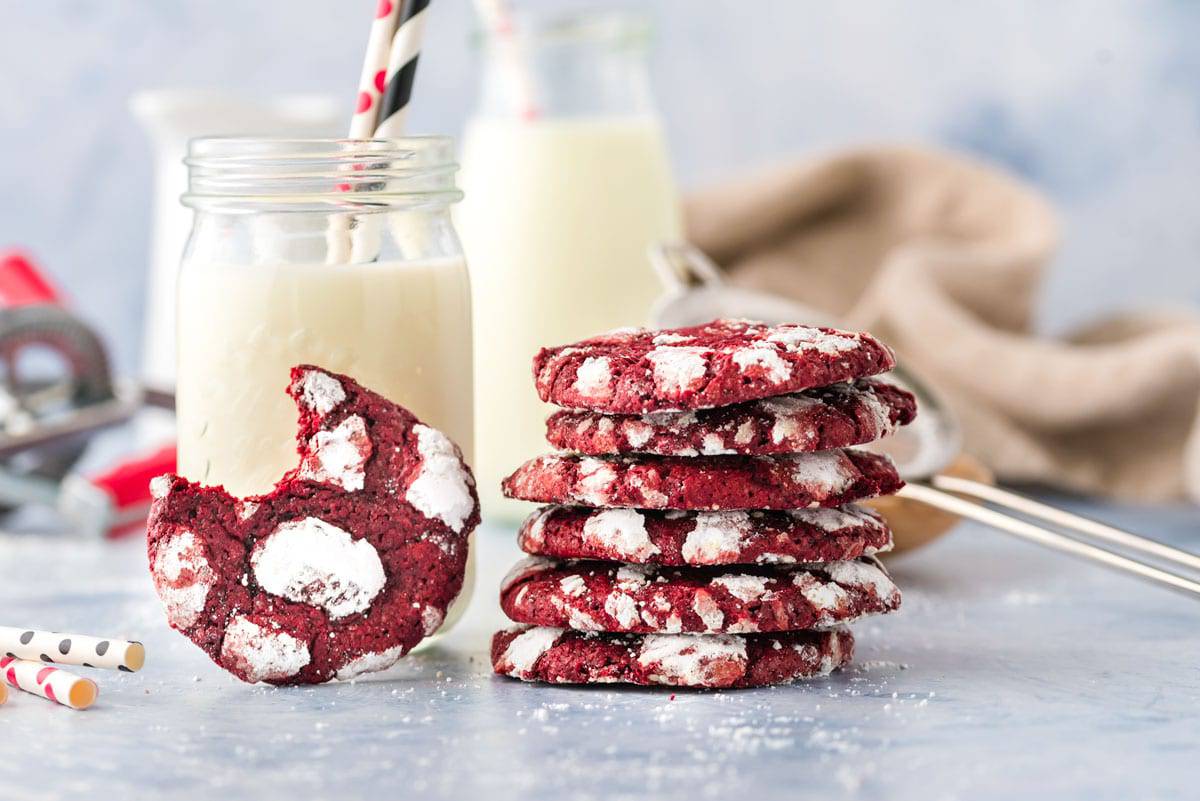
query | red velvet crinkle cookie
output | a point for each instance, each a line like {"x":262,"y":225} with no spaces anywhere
{"x":705,"y":538}
{"x":836,"y":416}
{"x":796,"y":481}
{"x":343,"y":567}
{"x":726,"y":361}
{"x":601,"y":596}
{"x":559,"y":656}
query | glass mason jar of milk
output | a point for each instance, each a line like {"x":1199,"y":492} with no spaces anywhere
{"x":338,"y":253}
{"x":567,"y":182}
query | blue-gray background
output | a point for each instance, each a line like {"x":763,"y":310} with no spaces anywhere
{"x":1097,"y":102}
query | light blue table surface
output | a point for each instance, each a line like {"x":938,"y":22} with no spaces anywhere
{"x":1010,"y":673}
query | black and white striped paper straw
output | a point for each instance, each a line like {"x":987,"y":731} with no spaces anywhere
{"x":402,"y":69}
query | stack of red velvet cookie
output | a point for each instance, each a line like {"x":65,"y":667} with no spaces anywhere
{"x":702,"y":529}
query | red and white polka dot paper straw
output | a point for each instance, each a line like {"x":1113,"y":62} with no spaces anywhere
{"x":49,"y":682}
{"x":497,"y":17}
{"x":402,"y":69}
{"x":374,"y":71}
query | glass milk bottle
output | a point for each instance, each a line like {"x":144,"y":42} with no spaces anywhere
{"x":566,"y":182}
{"x":338,"y":253}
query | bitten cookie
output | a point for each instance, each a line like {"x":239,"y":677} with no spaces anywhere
{"x":825,"y":478}
{"x":837,"y":416}
{"x":723,"y":362}
{"x":705,"y":538}
{"x":600,"y":596}
{"x":347,"y":564}
{"x":559,"y":656}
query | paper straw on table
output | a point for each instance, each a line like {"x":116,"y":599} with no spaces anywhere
{"x":3,"y":693}
{"x":497,"y":19}
{"x":50,"y":682}
{"x":72,"y":649}
{"x":402,"y":69}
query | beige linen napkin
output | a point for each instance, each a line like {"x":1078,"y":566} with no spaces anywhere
{"x":941,"y":257}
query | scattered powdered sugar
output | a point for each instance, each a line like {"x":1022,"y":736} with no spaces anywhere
{"x":183,"y":578}
{"x":692,"y":659}
{"x":525,"y":568}
{"x":593,"y":379}
{"x":621,"y":530}
{"x":864,"y":574}
{"x":826,"y":472}
{"x":573,"y":585}
{"x":526,"y":648}
{"x":677,"y":369}
{"x":596,"y":477}
{"x":622,"y":607}
{"x":716,"y":537}
{"x":339,"y":456}
{"x":320,"y":392}
{"x":370,"y":663}
{"x":263,"y":653}
{"x":797,"y":338}
{"x":707,"y":610}
{"x":765,"y":357}
{"x":744,"y":587}
{"x":310,"y":561}
{"x":441,"y":489}
{"x":246,"y":509}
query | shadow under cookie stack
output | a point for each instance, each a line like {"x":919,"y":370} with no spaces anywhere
{"x":702,"y":528}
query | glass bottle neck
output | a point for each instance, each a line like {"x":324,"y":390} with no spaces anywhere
{"x":579,"y":65}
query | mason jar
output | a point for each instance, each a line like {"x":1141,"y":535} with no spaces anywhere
{"x":337,"y":253}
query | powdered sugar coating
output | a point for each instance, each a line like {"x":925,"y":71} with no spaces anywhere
{"x":183,"y":578}
{"x":687,"y":660}
{"x":525,"y":568}
{"x":310,"y":561}
{"x":705,"y":538}
{"x":339,"y":456}
{"x":743,"y":587}
{"x":594,"y":378}
{"x":717,"y":364}
{"x":263,"y":653}
{"x":321,"y":392}
{"x":692,"y":660}
{"x":442,"y":488}
{"x":524,"y":651}
{"x":622,"y":531}
{"x":716,"y":537}
{"x":678,"y":369}
{"x":828,"y":478}
{"x":821,"y":418}
{"x":370,"y":663}
{"x":865,"y":575}
{"x":596,"y":596}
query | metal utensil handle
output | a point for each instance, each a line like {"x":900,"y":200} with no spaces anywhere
{"x":1050,"y":539}
{"x":680,"y":265}
{"x":1058,"y":517}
